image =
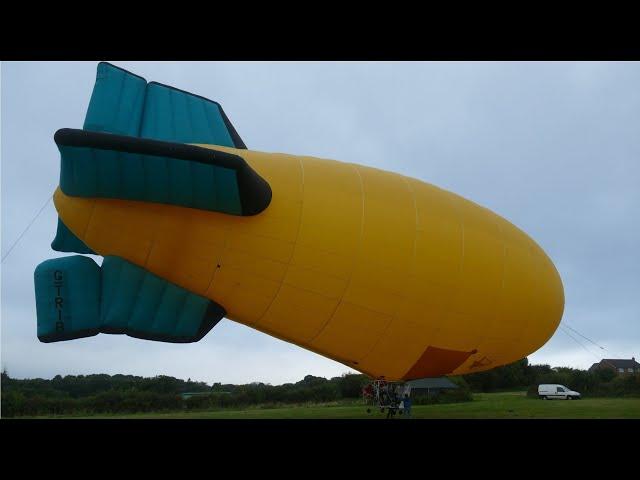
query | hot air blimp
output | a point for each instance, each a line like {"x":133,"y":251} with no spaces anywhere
{"x":387,"y":274}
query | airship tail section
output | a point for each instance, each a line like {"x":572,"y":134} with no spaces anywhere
{"x":76,"y":298}
{"x":67,"y":241}
{"x":104,"y":165}
{"x":125,"y":104}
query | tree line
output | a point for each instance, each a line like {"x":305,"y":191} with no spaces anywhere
{"x":97,"y":394}
{"x":518,"y":375}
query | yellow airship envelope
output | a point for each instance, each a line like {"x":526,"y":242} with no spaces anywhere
{"x":387,"y":274}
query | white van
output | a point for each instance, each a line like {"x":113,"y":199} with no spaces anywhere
{"x":549,"y":391}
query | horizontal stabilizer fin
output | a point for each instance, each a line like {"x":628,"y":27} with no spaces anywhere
{"x":67,"y":241}
{"x":125,"y":104}
{"x":76,"y":298}
{"x":104,"y":165}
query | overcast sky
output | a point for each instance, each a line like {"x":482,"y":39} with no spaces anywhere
{"x":552,"y":147}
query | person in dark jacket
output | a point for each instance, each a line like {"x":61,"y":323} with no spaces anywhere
{"x":407,"y":405}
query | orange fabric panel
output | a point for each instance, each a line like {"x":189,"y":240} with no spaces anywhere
{"x":435,"y":362}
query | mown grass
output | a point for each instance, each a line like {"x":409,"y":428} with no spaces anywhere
{"x":485,"y":405}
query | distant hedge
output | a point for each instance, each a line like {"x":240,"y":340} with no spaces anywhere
{"x":462,"y":394}
{"x":100,"y":394}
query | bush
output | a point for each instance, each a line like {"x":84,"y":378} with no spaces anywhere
{"x":532,"y":391}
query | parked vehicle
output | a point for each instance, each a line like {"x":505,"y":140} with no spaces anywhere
{"x":553,"y":391}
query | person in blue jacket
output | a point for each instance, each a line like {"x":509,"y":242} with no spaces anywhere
{"x":407,"y":405}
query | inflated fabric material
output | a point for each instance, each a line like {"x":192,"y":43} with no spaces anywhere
{"x":76,"y":298}
{"x":106,"y":165}
{"x":67,"y":298}
{"x":123,"y":103}
{"x":67,"y":241}
{"x":94,"y":172}
{"x":117,"y":101}
{"x":143,"y":305}
{"x":177,"y":116}
{"x":390,"y":275}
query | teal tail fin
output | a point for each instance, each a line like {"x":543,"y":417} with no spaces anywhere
{"x":76,"y":298}
{"x":125,"y":104}
{"x":67,"y":241}
{"x":103,"y":165}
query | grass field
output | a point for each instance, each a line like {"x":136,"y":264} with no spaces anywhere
{"x":484,"y":405}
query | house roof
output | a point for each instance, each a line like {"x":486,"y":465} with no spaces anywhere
{"x":441,"y":382}
{"x":622,"y":362}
